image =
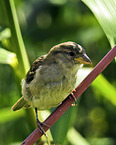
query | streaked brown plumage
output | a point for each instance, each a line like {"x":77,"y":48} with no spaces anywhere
{"x":52,"y":77}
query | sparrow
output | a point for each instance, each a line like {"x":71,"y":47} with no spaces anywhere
{"x":51,"y":78}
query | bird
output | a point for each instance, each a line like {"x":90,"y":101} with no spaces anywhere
{"x":51,"y":78}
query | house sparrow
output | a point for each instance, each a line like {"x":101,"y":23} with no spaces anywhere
{"x":51,"y":78}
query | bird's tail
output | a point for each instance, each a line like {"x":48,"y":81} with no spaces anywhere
{"x":19,"y":104}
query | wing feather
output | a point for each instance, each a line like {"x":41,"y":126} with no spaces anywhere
{"x":35,"y":65}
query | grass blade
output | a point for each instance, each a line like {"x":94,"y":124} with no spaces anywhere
{"x":105,"y":12}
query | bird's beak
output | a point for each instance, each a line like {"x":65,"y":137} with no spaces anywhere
{"x":84,"y":59}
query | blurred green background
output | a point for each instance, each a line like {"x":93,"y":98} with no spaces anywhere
{"x":45,"y":23}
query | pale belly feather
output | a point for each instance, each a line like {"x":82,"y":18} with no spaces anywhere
{"x":45,"y":95}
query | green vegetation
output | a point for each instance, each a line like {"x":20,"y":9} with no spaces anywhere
{"x":44,"y":24}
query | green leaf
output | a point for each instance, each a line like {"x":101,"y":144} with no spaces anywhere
{"x":101,"y":84}
{"x":102,"y":141}
{"x":19,"y":62}
{"x":105,"y":88}
{"x":15,"y":143}
{"x":42,"y":116}
{"x":6,"y":114}
{"x":7,"y":57}
{"x":8,"y":18}
{"x":6,"y":33}
{"x":75,"y":138}
{"x":58,"y":2}
{"x":105,"y":12}
{"x":60,"y":128}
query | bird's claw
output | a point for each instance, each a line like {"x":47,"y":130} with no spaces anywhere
{"x":73,"y":96}
{"x":39,"y":125}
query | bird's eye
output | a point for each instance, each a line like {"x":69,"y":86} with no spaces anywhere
{"x":72,"y":53}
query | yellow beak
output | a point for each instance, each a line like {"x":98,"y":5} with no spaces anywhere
{"x":84,"y":59}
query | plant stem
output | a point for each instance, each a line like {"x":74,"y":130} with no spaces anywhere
{"x":8,"y":18}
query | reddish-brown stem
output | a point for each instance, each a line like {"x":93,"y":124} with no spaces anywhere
{"x":35,"y":135}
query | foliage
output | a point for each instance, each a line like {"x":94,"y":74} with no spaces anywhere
{"x":44,"y":24}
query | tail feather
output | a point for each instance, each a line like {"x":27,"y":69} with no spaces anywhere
{"x":19,"y":104}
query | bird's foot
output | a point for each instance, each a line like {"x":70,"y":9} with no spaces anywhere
{"x":40,"y":127}
{"x":73,"y":96}
{"x":41,"y":124}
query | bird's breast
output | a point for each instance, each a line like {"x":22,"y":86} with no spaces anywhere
{"x":49,"y":88}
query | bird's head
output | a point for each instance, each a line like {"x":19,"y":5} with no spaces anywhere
{"x":70,"y":53}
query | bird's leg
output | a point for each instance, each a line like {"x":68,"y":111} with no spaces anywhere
{"x":73,"y":96}
{"x":40,"y":124}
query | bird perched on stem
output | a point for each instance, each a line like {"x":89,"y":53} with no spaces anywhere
{"x":52,"y":78}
